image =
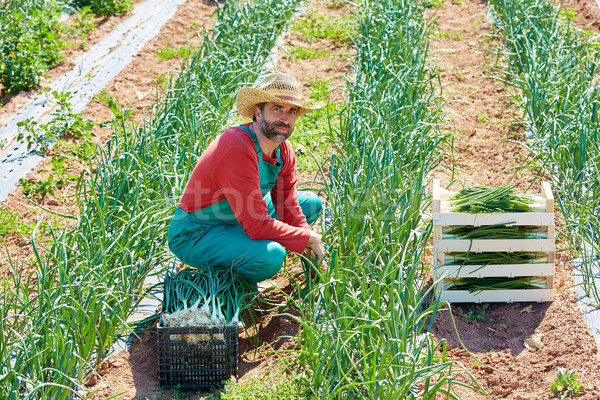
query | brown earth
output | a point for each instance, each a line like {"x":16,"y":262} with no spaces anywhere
{"x":481,"y":118}
{"x":479,"y":115}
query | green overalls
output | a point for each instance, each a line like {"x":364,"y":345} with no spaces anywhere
{"x":213,"y":237}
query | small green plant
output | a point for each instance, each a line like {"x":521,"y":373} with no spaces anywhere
{"x":436,"y":4}
{"x":566,"y":384}
{"x":452,"y":35}
{"x":281,"y":387}
{"x":57,"y":178}
{"x":81,"y":150}
{"x":305,"y":53}
{"x":475,"y":314}
{"x":81,"y":26}
{"x":312,"y":27}
{"x":318,"y":89}
{"x":568,"y":13}
{"x":168,"y":52}
{"x":64,"y":123}
{"x":11,"y":223}
{"x":82,"y":23}
{"x":481,"y":117}
{"x":105,"y":8}
{"x":113,"y":103}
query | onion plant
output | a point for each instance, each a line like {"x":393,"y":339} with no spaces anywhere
{"x":365,"y":319}
{"x":552,"y":67}
{"x":89,"y":278}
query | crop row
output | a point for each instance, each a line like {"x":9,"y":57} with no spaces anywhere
{"x":553,"y":67}
{"x":30,"y":39}
{"x":365,"y":320}
{"x":57,"y":321}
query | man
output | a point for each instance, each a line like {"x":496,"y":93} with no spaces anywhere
{"x":240,"y":206}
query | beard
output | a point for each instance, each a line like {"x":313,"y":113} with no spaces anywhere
{"x":270,"y":131}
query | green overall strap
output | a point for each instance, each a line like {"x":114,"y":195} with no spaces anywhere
{"x":267,"y":172}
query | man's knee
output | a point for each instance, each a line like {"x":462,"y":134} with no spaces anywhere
{"x":270,"y":262}
{"x":311,"y":205}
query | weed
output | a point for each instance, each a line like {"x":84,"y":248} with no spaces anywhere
{"x":312,"y":27}
{"x":337,"y":3}
{"x":81,"y":27}
{"x":113,"y":103}
{"x":481,"y":117}
{"x":568,"y":13}
{"x":282,"y":387}
{"x":436,"y":3}
{"x":168,"y":52}
{"x":566,"y":384}
{"x":475,"y":24}
{"x":57,"y":178}
{"x":304,"y":53}
{"x":64,"y":123}
{"x":318,"y":89}
{"x":163,"y":80}
{"x":105,"y":8}
{"x":82,"y":150}
{"x":474,"y":314}
{"x":11,"y":223}
{"x":452,"y":35}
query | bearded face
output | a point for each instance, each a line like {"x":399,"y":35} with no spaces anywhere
{"x":277,"y":131}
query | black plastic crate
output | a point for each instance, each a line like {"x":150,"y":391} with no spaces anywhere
{"x":192,"y":362}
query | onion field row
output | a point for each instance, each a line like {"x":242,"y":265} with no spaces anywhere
{"x":59,"y":323}
{"x":365,"y":320}
{"x":553,"y":67}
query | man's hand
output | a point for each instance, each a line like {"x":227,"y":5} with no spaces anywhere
{"x":314,"y":244}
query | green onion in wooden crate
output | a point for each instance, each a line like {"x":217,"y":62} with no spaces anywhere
{"x":496,"y":257}
{"x":485,"y":199}
{"x":494,"y":232}
{"x":494,"y":283}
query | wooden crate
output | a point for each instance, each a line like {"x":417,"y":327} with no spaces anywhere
{"x":443,"y":218}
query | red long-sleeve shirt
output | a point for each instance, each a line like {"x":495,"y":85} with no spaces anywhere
{"x":228,"y":169}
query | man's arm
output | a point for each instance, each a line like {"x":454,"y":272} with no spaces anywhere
{"x":239,"y":182}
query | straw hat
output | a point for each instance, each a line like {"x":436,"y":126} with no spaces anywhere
{"x":275,"y":88}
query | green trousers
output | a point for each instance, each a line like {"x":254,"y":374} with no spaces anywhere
{"x":199,"y":245}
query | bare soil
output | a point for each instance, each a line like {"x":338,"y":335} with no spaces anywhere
{"x":486,"y":151}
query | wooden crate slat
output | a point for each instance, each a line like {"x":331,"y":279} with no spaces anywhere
{"x":494,"y":270}
{"x":483,"y":245}
{"x":547,"y":193}
{"x":525,"y":218}
{"x":497,"y":296}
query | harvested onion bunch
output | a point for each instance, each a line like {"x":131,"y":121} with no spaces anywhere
{"x":485,"y":199}
{"x":202,"y":298}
